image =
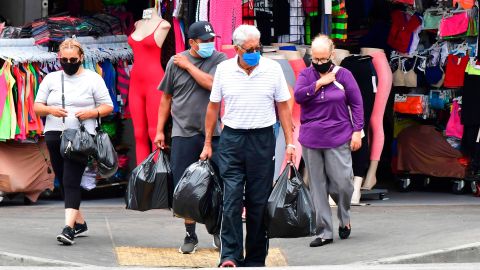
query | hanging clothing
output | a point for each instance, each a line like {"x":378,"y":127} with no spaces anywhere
{"x":403,"y":27}
{"x":455,"y":71}
{"x":471,"y":96}
{"x":281,"y":10}
{"x":225,"y":17}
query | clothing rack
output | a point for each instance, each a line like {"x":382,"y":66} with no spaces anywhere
{"x":24,"y":50}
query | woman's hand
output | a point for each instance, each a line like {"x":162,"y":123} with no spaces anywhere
{"x":87,"y":114}
{"x":57,"y":111}
{"x":356,"y":142}
{"x":325,"y":80}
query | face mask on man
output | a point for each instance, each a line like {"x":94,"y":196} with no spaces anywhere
{"x":205,"y":50}
{"x":323,"y":68}
{"x":70,"y":68}
{"x":252,"y":59}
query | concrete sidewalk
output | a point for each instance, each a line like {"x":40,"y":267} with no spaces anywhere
{"x":383,"y":232}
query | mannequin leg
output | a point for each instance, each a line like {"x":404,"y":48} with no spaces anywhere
{"x":153,"y":102}
{"x":384,"y":74}
{"x":357,"y":185}
{"x":140,"y":129}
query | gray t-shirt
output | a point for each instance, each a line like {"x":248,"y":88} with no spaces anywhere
{"x":189,"y":99}
{"x":84,"y":91}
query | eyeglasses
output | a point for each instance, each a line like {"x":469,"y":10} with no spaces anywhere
{"x":72,"y":60}
{"x":321,"y":61}
{"x":252,"y":50}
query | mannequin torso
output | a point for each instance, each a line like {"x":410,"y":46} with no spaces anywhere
{"x":339,"y":55}
{"x":155,"y":25}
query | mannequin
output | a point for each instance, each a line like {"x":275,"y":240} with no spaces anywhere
{"x":384,"y":87}
{"x":340,"y":54}
{"x":147,"y":72}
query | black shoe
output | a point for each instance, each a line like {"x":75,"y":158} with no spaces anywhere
{"x":344,"y":232}
{"x":80,"y":229}
{"x":318,"y":242}
{"x":67,"y":236}
{"x":189,"y":244}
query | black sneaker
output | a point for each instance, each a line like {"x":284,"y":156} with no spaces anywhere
{"x":318,"y":242}
{"x":189,"y":244}
{"x":344,"y":232}
{"x":216,"y":241}
{"x":80,"y":229}
{"x":67,"y":236}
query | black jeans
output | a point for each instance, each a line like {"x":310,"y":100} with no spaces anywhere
{"x":68,"y":172}
{"x":246,"y":161}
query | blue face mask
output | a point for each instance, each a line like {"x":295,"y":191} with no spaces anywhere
{"x":251,"y":59}
{"x":205,"y":50}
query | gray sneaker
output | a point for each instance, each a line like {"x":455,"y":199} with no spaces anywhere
{"x":189,"y":244}
{"x":216,"y":241}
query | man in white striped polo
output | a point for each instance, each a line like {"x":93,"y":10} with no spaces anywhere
{"x":250,"y":86}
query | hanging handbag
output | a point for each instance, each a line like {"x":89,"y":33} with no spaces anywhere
{"x":76,"y":143}
{"x":431,"y":19}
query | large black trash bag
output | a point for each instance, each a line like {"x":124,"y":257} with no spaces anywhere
{"x":198,"y":196}
{"x":105,"y":154}
{"x":148,"y":189}
{"x":290,"y":211}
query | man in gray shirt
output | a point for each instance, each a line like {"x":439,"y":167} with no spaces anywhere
{"x":186,"y":85}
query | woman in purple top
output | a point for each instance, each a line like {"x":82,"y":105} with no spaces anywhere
{"x":331,"y":125}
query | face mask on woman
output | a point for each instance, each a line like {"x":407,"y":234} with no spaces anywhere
{"x":70,"y":67}
{"x":323,"y":68}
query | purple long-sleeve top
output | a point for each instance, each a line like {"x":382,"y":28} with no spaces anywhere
{"x":325,"y":117}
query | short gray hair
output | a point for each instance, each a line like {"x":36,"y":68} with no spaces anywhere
{"x":322,"y":40}
{"x":245,"y":32}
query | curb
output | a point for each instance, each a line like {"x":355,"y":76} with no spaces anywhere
{"x":469,"y":253}
{"x":10,"y":259}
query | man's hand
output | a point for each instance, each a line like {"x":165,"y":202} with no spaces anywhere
{"x":57,"y":111}
{"x":207,"y":152}
{"x":356,"y":142}
{"x":160,"y":140}
{"x":86,"y":114}
{"x":181,"y":61}
{"x":290,"y":155}
{"x":325,"y":80}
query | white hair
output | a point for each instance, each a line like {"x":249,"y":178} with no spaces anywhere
{"x":245,"y":32}
{"x":323,"y":40}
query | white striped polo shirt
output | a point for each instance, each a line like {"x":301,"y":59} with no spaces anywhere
{"x":249,"y":100}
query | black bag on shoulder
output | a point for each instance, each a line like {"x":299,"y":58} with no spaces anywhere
{"x":76,"y":143}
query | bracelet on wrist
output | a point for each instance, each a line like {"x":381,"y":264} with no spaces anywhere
{"x":291,"y":146}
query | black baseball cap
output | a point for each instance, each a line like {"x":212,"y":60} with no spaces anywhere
{"x":202,"y":30}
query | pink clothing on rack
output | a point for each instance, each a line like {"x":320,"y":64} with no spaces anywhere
{"x":179,"y":40}
{"x":230,"y":52}
{"x":225,"y":16}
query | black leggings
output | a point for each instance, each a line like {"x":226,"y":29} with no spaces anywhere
{"x":68,"y":172}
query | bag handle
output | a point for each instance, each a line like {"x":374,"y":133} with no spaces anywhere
{"x":63,"y":99}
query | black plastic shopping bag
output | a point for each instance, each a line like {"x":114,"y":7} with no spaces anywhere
{"x":198,"y":196}
{"x":148,"y":186}
{"x":290,"y":210}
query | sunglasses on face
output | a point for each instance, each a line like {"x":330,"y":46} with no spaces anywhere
{"x":71,"y":60}
{"x":252,"y":50}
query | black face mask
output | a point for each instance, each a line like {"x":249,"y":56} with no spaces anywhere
{"x":323,"y":68}
{"x":71,"y":68}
